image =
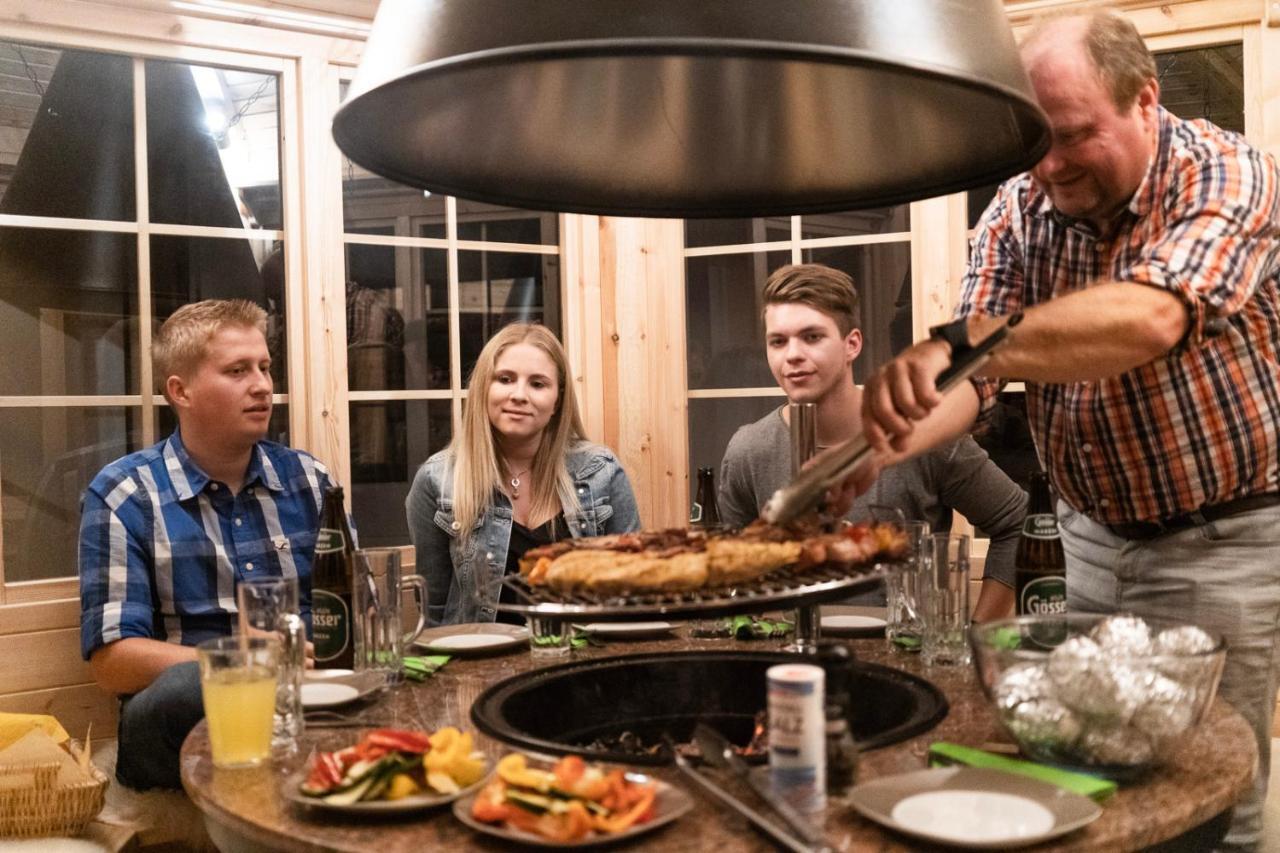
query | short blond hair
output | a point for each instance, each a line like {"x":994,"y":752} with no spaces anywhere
{"x":1116,"y":50}
{"x":183,"y":341}
{"x":820,"y":287}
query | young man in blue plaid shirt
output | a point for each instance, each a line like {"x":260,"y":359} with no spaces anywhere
{"x":167,"y":533}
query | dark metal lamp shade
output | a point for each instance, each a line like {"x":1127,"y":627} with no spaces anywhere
{"x":692,"y":108}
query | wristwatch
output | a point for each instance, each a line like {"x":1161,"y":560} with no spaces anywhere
{"x":955,"y":333}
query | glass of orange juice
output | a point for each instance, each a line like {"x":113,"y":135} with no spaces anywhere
{"x":238,"y":678}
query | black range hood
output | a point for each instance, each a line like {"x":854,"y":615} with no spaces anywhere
{"x":692,"y":108}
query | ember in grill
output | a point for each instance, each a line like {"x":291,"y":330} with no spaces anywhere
{"x":629,"y":743}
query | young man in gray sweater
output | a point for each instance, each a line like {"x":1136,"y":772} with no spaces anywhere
{"x":811,"y":340}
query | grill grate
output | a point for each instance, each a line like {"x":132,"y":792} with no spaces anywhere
{"x":777,"y":590}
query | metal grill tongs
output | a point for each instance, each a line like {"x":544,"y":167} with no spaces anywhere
{"x":807,"y":491}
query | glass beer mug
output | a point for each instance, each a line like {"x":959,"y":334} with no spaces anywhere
{"x":376,"y":599}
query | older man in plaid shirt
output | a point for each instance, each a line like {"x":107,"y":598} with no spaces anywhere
{"x":168,"y":532}
{"x":1142,"y":251}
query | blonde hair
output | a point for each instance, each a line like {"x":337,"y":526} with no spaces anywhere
{"x":1116,"y":50}
{"x":477,"y":470}
{"x":182,"y":342}
{"x":820,"y":287}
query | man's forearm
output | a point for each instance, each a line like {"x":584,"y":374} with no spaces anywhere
{"x":131,"y":664}
{"x":1102,"y":331}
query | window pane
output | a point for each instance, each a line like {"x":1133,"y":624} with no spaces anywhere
{"x":66,"y":133}
{"x":189,"y":269}
{"x":725,"y":338}
{"x":498,"y":288}
{"x":713,"y":422}
{"x":875,"y":220}
{"x":480,"y":221}
{"x":882,"y":275}
{"x":277,"y":429}
{"x":213,"y":146}
{"x":48,"y":456}
{"x":734,"y":232}
{"x":978,"y":199}
{"x":389,"y":441}
{"x":1206,"y":82}
{"x":1007,"y":438}
{"x":68,"y":308}
{"x":380,"y":326}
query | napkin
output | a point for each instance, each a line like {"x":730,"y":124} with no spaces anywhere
{"x":38,"y":747}
{"x":943,"y":754}
{"x":14,"y":726}
{"x":422,"y":667}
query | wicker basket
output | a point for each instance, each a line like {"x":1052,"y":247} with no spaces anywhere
{"x":42,"y":809}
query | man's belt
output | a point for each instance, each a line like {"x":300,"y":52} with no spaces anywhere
{"x":1204,"y":515}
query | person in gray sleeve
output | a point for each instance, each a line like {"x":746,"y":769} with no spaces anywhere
{"x":811,"y":340}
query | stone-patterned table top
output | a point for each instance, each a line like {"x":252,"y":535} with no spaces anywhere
{"x":1201,"y":780}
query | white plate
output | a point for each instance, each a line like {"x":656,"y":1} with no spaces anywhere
{"x":973,"y":807}
{"x":472,"y":638}
{"x":324,"y":694}
{"x":321,"y":674}
{"x":627,"y":629}
{"x":852,"y":623}
{"x":412,"y":803}
{"x":671,"y":803}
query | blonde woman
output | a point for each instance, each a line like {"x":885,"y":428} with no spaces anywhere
{"x":519,"y":473}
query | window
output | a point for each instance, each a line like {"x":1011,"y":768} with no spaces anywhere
{"x":105,"y":229}
{"x":429,"y":280}
{"x":727,"y":263}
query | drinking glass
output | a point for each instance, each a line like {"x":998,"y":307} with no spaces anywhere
{"x":903,"y":624}
{"x":379,"y":640}
{"x":549,"y":638}
{"x":946,"y":594}
{"x":238,"y":678}
{"x":270,"y":606}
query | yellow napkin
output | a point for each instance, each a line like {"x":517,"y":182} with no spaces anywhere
{"x":14,"y":726}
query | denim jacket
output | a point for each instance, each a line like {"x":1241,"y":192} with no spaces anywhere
{"x":464,"y":581}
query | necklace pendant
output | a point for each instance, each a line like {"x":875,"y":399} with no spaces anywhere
{"x":515,"y":487}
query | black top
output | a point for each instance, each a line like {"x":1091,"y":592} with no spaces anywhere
{"x":522,"y":540}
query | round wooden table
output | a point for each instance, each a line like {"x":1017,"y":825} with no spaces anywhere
{"x":244,"y":809}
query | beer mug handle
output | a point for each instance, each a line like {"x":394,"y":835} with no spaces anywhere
{"x":418,"y":584}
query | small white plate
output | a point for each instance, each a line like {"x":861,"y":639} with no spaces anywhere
{"x":973,"y":807}
{"x":321,"y":674}
{"x":852,"y":623}
{"x":634,"y":630}
{"x":324,"y":694}
{"x":475,"y":638}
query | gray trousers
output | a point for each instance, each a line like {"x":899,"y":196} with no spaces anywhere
{"x":1223,"y":576}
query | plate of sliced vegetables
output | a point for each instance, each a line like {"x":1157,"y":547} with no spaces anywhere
{"x":389,"y":771}
{"x":571,"y":804}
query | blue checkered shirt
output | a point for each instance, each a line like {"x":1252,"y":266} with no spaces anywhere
{"x":162,"y":546}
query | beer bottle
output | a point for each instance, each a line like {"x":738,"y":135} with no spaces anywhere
{"x":705,"y":512}
{"x":332,"y":576}
{"x":1040,"y":569}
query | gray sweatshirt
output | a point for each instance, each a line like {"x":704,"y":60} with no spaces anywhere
{"x":928,"y":487}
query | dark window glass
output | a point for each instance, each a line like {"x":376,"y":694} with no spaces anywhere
{"x":712,"y":422}
{"x":66,"y":133}
{"x":189,"y":269}
{"x":875,"y":220}
{"x":734,"y":232}
{"x":50,"y":456}
{"x":69,"y":312}
{"x":881,"y":273}
{"x":213,"y":146}
{"x":725,"y":337}
{"x":389,"y":441}
{"x":1204,"y":82}
{"x":480,"y":221}
{"x":498,"y":288}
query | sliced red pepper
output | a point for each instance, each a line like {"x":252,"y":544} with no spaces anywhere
{"x":325,"y":773}
{"x":400,"y":740}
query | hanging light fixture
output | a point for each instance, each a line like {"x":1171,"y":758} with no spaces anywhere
{"x":692,"y":108}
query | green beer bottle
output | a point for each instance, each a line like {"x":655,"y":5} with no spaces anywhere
{"x":1040,"y":569}
{"x":332,"y":576}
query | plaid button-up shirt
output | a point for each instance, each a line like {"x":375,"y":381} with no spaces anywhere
{"x":1199,"y":425}
{"x":162,"y":546}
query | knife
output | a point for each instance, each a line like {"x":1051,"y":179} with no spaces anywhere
{"x":717,"y":749}
{"x":806,"y":492}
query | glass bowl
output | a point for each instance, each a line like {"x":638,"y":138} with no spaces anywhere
{"x":1107,"y":694}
